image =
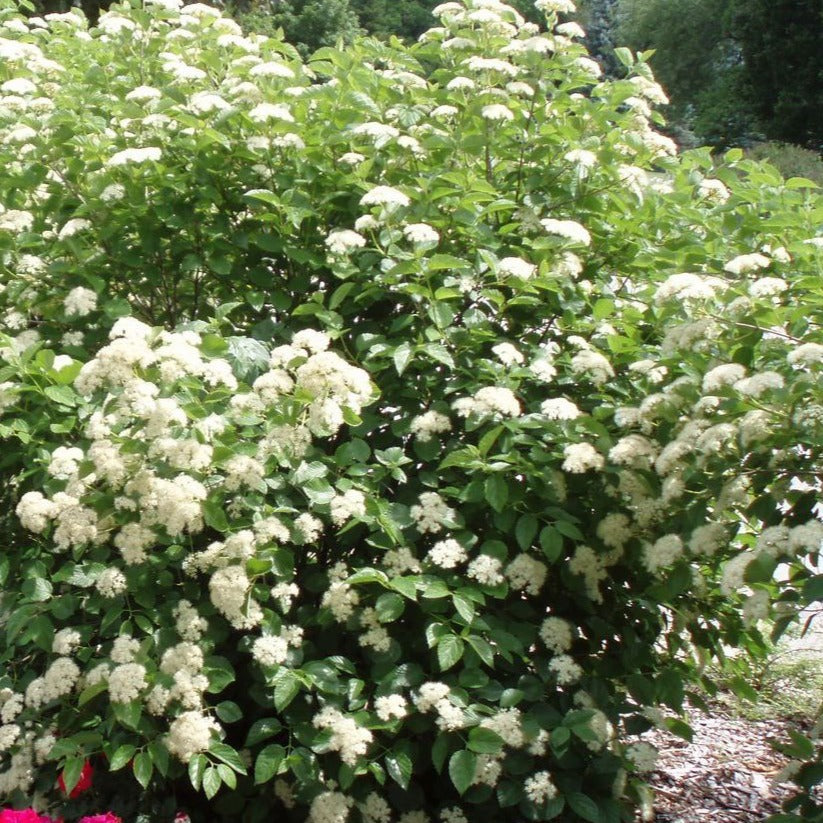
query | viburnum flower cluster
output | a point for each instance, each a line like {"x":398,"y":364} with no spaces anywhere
{"x":361,"y":460}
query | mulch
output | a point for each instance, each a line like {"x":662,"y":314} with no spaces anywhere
{"x":725,"y":775}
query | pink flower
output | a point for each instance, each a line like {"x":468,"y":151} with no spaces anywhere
{"x":23,"y":816}
{"x":108,"y":817}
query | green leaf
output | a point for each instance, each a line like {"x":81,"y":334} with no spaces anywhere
{"x":484,"y":741}
{"x":449,"y":651}
{"x":226,"y":754}
{"x":813,"y":589}
{"x":525,"y":531}
{"x":121,"y":757}
{"x":286,"y":687}
{"x":229,"y":712}
{"x":583,"y":806}
{"x":496,"y":491}
{"x":227,"y":775}
{"x":464,"y":607}
{"x":262,"y":730}
{"x":389,"y":607}
{"x":197,"y":765}
{"x":211,"y":782}
{"x":551,"y":541}
{"x":462,"y":766}
{"x":268,"y":762}
{"x":440,"y":750}
{"x":399,"y":767}
{"x":72,"y":769}
{"x":402,"y":357}
{"x":143,"y":768}
{"x":62,"y":395}
{"x":482,"y":648}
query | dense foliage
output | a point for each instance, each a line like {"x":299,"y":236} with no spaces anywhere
{"x":389,"y":436}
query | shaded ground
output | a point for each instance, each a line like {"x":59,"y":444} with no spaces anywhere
{"x":726,"y":774}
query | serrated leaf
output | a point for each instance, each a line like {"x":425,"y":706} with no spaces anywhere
{"x":121,"y":757}
{"x":399,"y":766}
{"x":402,"y":357}
{"x":286,"y":687}
{"x":226,"y":754}
{"x":496,"y":491}
{"x":211,"y":782}
{"x":262,"y":730}
{"x":72,"y":770}
{"x":197,"y":765}
{"x":583,"y":806}
{"x":484,"y":741}
{"x":462,"y":767}
{"x":268,"y":762}
{"x":464,"y":607}
{"x":143,"y":768}
{"x":229,"y":712}
{"x":449,"y":651}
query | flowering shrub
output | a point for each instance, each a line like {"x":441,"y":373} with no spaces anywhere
{"x":392,"y":435}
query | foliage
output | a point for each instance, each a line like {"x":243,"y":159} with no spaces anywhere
{"x":790,"y":160}
{"x":308,"y":24}
{"x":782,"y":49}
{"x":389,"y":435}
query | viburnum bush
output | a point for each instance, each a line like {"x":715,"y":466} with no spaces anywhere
{"x":390,"y":436}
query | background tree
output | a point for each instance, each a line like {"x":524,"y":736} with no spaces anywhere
{"x":781,"y":45}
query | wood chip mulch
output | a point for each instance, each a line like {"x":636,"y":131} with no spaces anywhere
{"x":725,"y":775}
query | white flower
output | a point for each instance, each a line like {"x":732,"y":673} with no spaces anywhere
{"x":189,"y":734}
{"x":142,"y":155}
{"x":497,"y":111}
{"x":539,"y":788}
{"x":516,"y":267}
{"x":806,"y":354}
{"x":72,"y":227}
{"x":347,"y":737}
{"x":111,"y":582}
{"x":460,"y":84}
{"x":494,"y":401}
{"x":559,"y":408}
{"x":486,"y":570}
{"x":430,"y":513}
{"x":665,"y":551}
{"x":271,"y":69}
{"x":384,"y":196}
{"x":557,"y":634}
{"x":768,"y":287}
{"x":429,"y":424}
{"x":80,"y":301}
{"x":447,"y":554}
{"x":565,"y":670}
{"x":421,"y":233}
{"x":569,"y":229}
{"x":143,"y":94}
{"x":581,"y":457}
{"x":726,"y":374}
{"x":525,"y":573}
{"x":746,"y":263}
{"x":508,"y":354}
{"x":344,"y":241}
{"x":391,"y":706}
{"x":264,"y":112}
{"x":126,"y":681}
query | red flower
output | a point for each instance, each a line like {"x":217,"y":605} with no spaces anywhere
{"x":108,"y":817}
{"x":83,"y":784}
{"x":23,"y":816}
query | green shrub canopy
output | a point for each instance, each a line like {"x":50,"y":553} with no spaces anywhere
{"x":391,"y":435}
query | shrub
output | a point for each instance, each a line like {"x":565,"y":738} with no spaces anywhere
{"x":390,"y":435}
{"x":790,"y":160}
